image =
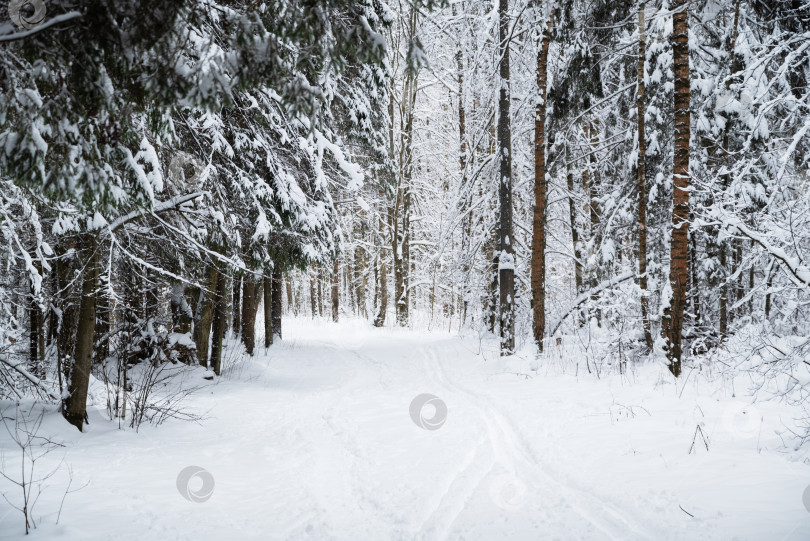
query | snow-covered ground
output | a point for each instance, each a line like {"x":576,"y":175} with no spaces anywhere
{"x":315,"y":440}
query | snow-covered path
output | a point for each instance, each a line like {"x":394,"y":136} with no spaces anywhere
{"x":315,"y":441}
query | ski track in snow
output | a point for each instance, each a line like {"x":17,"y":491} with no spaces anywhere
{"x":314,"y":441}
{"x":512,"y":451}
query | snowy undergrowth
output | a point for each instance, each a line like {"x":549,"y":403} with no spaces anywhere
{"x":313,"y":439}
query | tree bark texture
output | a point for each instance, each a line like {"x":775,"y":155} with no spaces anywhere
{"x":538,"y":279}
{"x":277,"y":280}
{"x":641,"y":179}
{"x":506,"y":259}
{"x":75,"y":406}
{"x":219,"y":323}
{"x":267,"y":287}
{"x":250,"y":305}
{"x":679,"y":246}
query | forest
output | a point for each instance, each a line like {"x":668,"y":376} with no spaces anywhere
{"x":400,"y":196}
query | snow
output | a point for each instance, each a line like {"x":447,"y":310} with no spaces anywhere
{"x":315,"y":439}
{"x":506,"y":261}
{"x":353,"y":171}
{"x":97,"y":222}
{"x":182,"y":339}
{"x":363,"y":204}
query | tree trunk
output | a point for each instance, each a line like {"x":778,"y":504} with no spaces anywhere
{"x":768,"y":283}
{"x":249,"y":309}
{"x":277,"y":279}
{"x":751,"y":288}
{"x":399,"y":283}
{"x":462,"y":113}
{"x":642,"y":179}
{"x":572,"y":214}
{"x":75,"y":407}
{"x":694,"y":290}
{"x":360,"y":282}
{"x":52,"y":333}
{"x":592,"y":132}
{"x":66,"y":335}
{"x":462,"y":164}
{"x":679,"y":247}
{"x":403,"y":254}
{"x":506,"y":258}
{"x":290,"y":297}
{"x":396,"y":240}
{"x":206,"y":314}
{"x":379,"y":321}
{"x":491,"y":295}
{"x":320,"y":293}
{"x":35,"y":333}
{"x":739,"y":284}
{"x":267,"y":284}
{"x":722,"y":255}
{"x":538,"y":280}
{"x":103,"y":310}
{"x":348,"y":290}
{"x":403,"y":306}
{"x":490,"y":301}
{"x":193,"y":299}
{"x":335,"y":292}
{"x":407,"y":203}
{"x":237,"y":304}
{"x":313,"y":296}
{"x":219,"y":323}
